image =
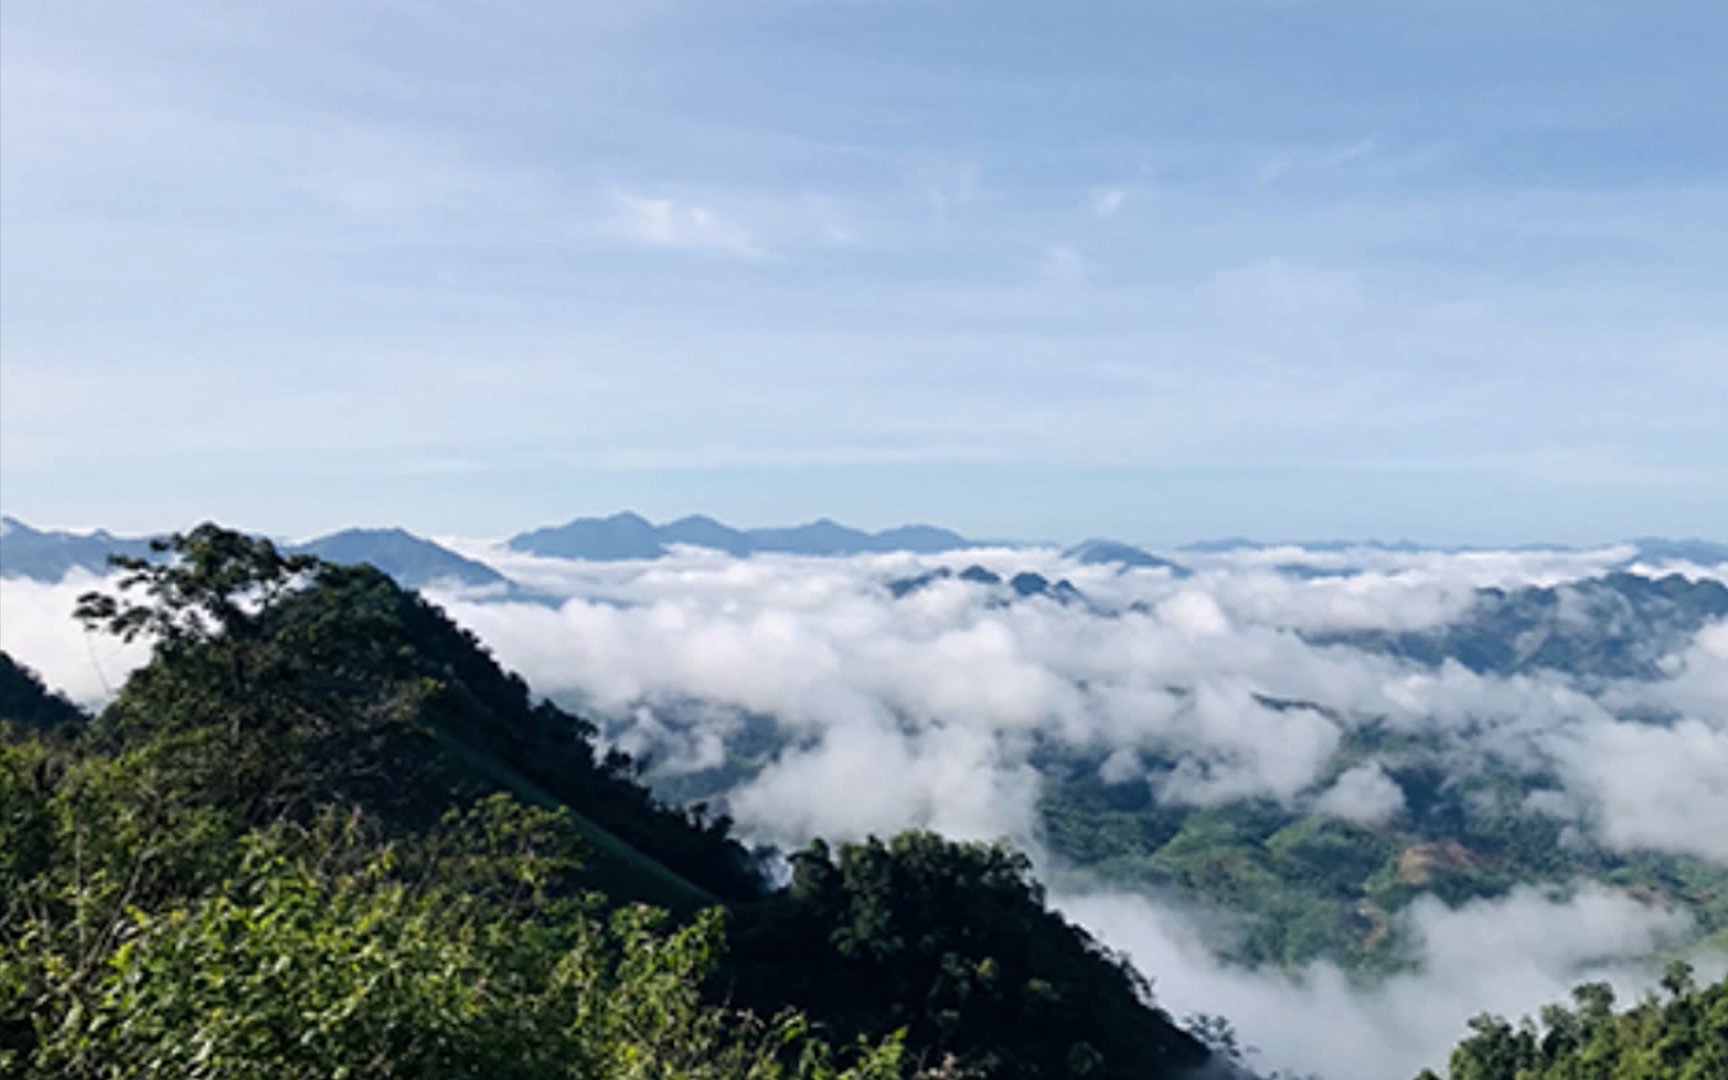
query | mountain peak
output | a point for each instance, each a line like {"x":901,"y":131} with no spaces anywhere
{"x":413,"y":561}
{"x":625,"y":535}
{"x":1101,"y":552}
{"x":628,"y":535}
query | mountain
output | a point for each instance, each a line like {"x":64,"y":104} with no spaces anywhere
{"x":1230,"y":544}
{"x":337,"y":833}
{"x":621,"y":536}
{"x":699,"y":530}
{"x":49,"y":555}
{"x":26,"y":701}
{"x":820,"y":537}
{"x":1022,"y":586}
{"x":1026,"y":583}
{"x":921,"y":540}
{"x":1649,"y":548}
{"x":414,"y":562}
{"x":1098,"y":552}
{"x":1615,"y":626}
{"x":631,"y":536}
{"x":1700,"y":552}
{"x":1224,"y":545}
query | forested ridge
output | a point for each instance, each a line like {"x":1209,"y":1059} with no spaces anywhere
{"x":323,"y":834}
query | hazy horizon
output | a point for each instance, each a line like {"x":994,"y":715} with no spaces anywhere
{"x":1062,"y":539}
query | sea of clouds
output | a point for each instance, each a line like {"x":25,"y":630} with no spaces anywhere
{"x":924,"y":710}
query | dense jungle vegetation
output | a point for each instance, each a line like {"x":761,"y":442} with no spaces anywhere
{"x":323,"y":834}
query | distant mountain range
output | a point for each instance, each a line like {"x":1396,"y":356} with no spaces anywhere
{"x":415,"y":562}
{"x":1113,"y":552}
{"x":50,"y":555}
{"x":631,"y":536}
{"x":1618,"y":626}
{"x":1022,"y":585}
{"x":1649,"y":548}
{"x":1701,"y":552}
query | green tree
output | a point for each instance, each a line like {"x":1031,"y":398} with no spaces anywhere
{"x":1681,"y":1037}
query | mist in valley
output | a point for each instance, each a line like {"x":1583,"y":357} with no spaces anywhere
{"x":848,"y":697}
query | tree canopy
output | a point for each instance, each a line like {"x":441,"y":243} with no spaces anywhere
{"x":1682,"y":1035}
{"x":323,"y":833}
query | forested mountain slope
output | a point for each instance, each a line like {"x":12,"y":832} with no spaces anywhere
{"x":323,"y":833}
{"x":25,"y":701}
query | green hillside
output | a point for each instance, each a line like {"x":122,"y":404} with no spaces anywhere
{"x":323,"y":834}
{"x":1304,"y":885}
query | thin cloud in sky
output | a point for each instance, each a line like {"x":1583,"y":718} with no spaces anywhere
{"x":668,"y":223}
{"x":1063,"y":267}
{"x":1106,"y":203}
{"x":1361,"y":253}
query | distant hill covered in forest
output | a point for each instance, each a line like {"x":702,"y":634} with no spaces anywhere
{"x":322,"y":831}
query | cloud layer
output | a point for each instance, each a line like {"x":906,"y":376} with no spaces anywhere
{"x":1506,"y":956}
{"x":1187,"y":683}
{"x":855,"y":710}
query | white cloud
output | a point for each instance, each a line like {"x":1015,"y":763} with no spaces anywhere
{"x":1661,"y":788}
{"x":37,"y":629}
{"x":460,"y":213}
{"x":1298,"y":162}
{"x":1106,"y":203}
{"x":1062,"y":267}
{"x":947,"y":186}
{"x":673,"y":224}
{"x":864,"y":778}
{"x":1506,"y":956}
{"x":1280,"y":287}
{"x":1177,"y":673}
{"x":1227,"y":742}
{"x":925,"y":711}
{"x":1364,"y":794}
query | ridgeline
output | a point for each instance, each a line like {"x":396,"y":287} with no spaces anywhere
{"x":322,"y":833}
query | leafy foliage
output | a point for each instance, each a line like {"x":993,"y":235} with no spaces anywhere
{"x":323,"y":834}
{"x":319,"y":952}
{"x":284,"y":682}
{"x":953,"y":942}
{"x":1681,"y":1037}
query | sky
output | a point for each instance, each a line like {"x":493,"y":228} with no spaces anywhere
{"x":1445,"y":269}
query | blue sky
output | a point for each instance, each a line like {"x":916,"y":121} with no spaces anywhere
{"x":1437,"y":268}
